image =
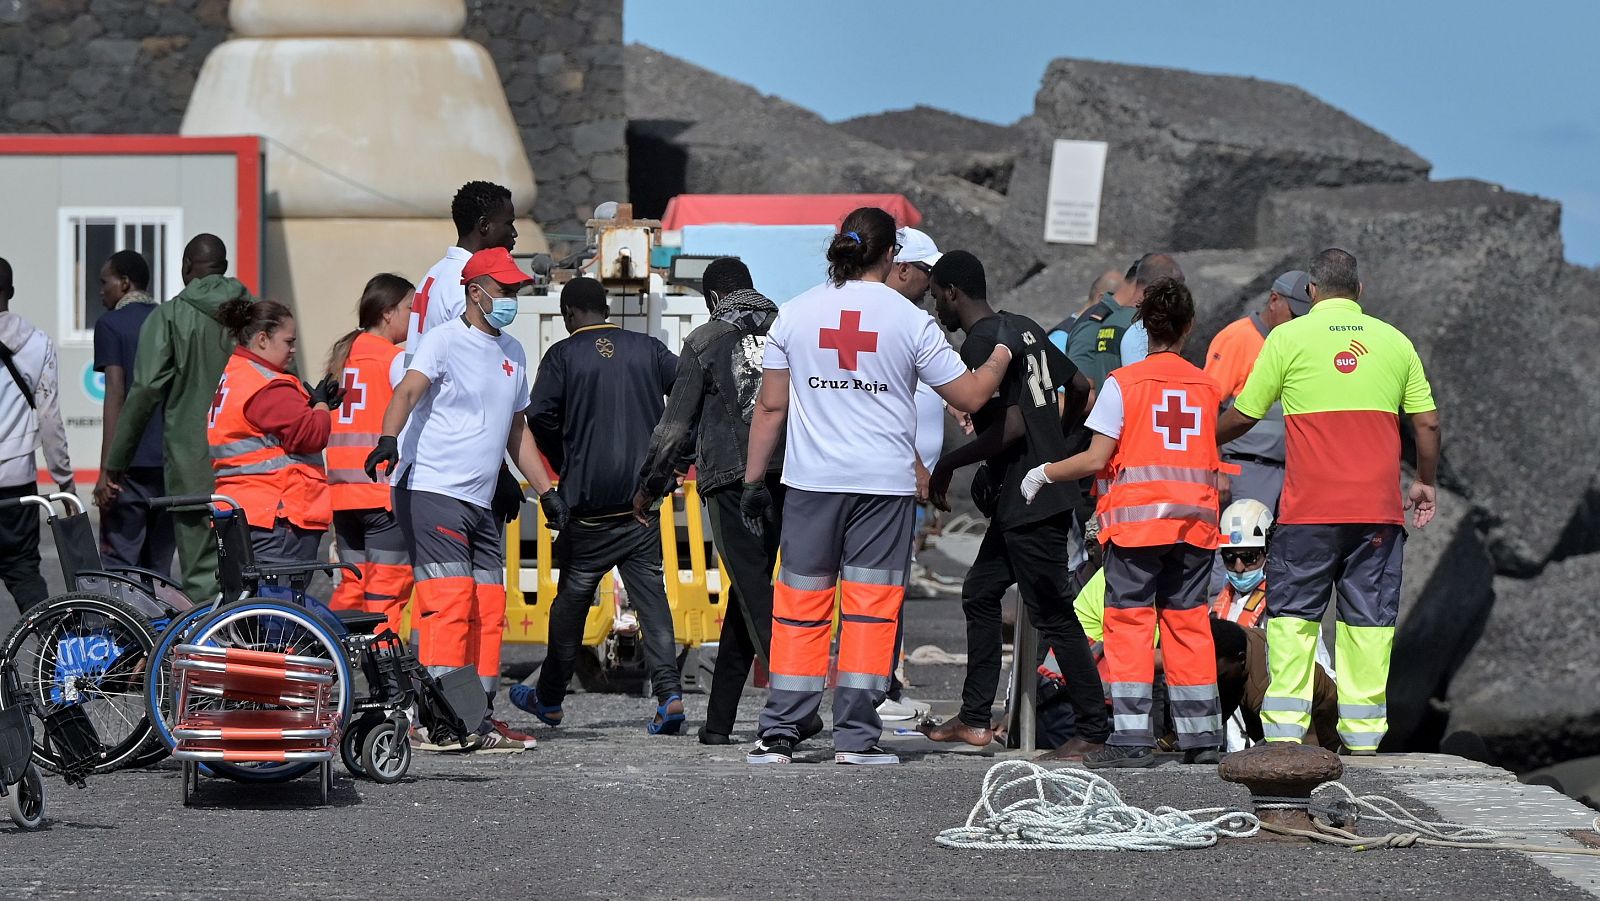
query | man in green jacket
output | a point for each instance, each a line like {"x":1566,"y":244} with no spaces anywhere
{"x":182,"y":352}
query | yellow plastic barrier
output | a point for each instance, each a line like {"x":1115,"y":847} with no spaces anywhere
{"x":696,"y":608}
{"x":697,"y":611}
{"x":528,"y":613}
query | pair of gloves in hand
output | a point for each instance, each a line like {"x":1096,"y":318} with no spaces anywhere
{"x":508,"y":497}
{"x":328,"y":391}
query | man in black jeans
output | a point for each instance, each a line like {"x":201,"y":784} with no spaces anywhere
{"x":719,"y":376}
{"x":598,"y":394}
{"x":1026,"y":544}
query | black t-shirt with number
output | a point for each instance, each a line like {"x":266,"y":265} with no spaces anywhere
{"x":1033,"y":385}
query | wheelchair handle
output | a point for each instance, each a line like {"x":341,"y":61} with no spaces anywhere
{"x":69,"y":501}
{"x":296,"y":569}
{"x":182,"y":501}
{"x":36,"y":500}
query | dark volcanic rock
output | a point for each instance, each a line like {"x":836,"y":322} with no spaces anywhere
{"x":1192,"y":155}
{"x":1529,"y":687}
{"x":1470,"y":272}
{"x":709,"y":134}
{"x":1447,"y":591}
{"x":930,"y":130}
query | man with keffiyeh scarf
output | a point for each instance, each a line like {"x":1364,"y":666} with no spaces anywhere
{"x":707,"y":422}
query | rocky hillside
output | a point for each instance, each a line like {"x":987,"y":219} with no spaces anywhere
{"x":1243,"y":179}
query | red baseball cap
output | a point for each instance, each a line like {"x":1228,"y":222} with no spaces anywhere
{"x":496,"y":263}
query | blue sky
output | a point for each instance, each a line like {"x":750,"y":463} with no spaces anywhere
{"x":1505,"y":92}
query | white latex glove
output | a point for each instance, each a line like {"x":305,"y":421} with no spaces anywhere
{"x":1033,"y":481}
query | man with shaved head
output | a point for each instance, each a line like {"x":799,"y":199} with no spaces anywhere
{"x":182,"y":352}
{"x":1151,"y":268}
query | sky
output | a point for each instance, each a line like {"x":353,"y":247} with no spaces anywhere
{"x":1504,"y":92}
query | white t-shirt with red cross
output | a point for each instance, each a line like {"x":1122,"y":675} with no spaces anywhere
{"x":854,"y":355}
{"x":455,"y":438}
{"x":440,"y":297}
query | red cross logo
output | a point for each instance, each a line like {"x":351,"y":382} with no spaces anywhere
{"x":1178,"y":421}
{"x":217,"y":399}
{"x":419,"y":304}
{"x":510,"y":370}
{"x":526,"y":622}
{"x":355,"y":396}
{"x":848,"y":339}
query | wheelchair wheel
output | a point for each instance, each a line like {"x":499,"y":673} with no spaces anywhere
{"x":354,"y":737}
{"x":158,"y":683}
{"x":386,"y":754}
{"x":265,"y":625}
{"x":89,"y":651}
{"x":25,"y":800}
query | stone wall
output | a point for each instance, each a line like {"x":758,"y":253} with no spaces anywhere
{"x":127,"y":66}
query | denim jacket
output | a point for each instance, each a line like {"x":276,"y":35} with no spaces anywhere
{"x":709,"y":409}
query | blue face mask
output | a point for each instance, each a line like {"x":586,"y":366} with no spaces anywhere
{"x":502,"y":312}
{"x":1246,"y":581}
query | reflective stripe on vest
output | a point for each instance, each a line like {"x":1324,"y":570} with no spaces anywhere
{"x":367,"y":440}
{"x":253,"y":467}
{"x":243,"y":446}
{"x":1195,"y":475}
{"x":1148,"y":512}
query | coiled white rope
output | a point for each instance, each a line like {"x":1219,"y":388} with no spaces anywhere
{"x":1026,"y":807}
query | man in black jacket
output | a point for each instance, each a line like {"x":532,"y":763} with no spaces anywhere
{"x":598,"y":394}
{"x":1026,"y":544}
{"x":719,"y":376}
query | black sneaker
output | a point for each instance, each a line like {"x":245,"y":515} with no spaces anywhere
{"x":1125,"y":757}
{"x":708,"y":737}
{"x":777,"y":749}
{"x":1205,"y":756}
{"x":873,"y":756}
{"x":811,"y":728}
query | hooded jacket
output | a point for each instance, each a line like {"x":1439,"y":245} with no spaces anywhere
{"x":24,"y":429}
{"x":182,"y":352}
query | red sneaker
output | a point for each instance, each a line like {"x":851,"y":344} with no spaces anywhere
{"x":515,"y":736}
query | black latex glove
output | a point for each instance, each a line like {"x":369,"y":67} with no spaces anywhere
{"x":328,"y":391}
{"x":508,"y":497}
{"x":386,"y":453}
{"x":556,"y":512}
{"x":755,"y":507}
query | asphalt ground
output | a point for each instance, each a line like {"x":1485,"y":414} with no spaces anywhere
{"x":601,"y":809}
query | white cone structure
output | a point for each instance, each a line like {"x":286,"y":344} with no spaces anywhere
{"x":376,"y":111}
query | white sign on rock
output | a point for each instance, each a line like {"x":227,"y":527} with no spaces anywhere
{"x":1072,"y":212}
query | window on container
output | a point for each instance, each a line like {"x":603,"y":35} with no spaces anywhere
{"x":89,"y":237}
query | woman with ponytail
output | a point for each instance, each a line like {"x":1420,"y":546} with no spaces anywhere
{"x":847,"y":356}
{"x":367,"y":364}
{"x":267,"y":430}
{"x":1155,"y":453}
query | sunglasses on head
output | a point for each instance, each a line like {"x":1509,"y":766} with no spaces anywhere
{"x":1250,"y":557}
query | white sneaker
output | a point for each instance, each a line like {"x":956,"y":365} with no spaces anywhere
{"x":873,"y":756}
{"x":892,"y":711}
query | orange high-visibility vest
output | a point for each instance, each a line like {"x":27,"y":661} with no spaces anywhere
{"x":1161,"y":484}
{"x":252,"y":467}
{"x":1253,"y":611}
{"x":358,"y":423}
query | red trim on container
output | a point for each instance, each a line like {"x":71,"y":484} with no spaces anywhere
{"x":246,"y":150}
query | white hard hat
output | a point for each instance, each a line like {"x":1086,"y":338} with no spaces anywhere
{"x":1245,"y":524}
